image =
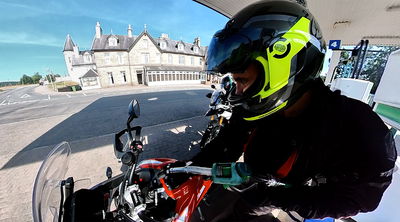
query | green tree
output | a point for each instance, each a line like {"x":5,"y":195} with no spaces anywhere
{"x":36,"y":77}
{"x":375,"y":63}
{"x":25,"y":79}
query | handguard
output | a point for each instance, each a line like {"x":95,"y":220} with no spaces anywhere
{"x":231,"y":174}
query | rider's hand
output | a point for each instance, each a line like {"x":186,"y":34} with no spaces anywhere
{"x":175,"y":179}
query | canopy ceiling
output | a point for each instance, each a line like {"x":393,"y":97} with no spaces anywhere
{"x":346,"y":20}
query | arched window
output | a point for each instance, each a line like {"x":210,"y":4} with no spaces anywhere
{"x":196,"y":50}
{"x":180,"y":47}
{"x":112,"y":41}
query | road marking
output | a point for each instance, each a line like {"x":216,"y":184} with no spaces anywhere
{"x":69,"y":96}
{"x":84,"y":94}
{"x":25,"y":96}
{"x":48,"y":97}
{"x":152,"y":99}
{"x":3,"y":103}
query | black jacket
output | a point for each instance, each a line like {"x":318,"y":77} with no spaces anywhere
{"x":344,"y":156}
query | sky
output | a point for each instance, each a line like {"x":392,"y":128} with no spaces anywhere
{"x":33,"y":32}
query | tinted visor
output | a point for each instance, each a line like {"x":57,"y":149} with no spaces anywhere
{"x":231,"y":50}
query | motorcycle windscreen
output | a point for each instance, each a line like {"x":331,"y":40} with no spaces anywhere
{"x":47,"y":189}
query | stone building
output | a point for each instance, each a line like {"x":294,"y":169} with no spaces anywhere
{"x":131,"y":60}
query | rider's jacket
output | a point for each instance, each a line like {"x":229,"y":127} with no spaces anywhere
{"x":336,"y":158}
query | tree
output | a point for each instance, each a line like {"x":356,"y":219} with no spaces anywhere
{"x":375,"y":65}
{"x":36,"y":78}
{"x":25,"y":79}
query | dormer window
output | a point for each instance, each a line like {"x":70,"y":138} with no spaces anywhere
{"x":195,"y":49}
{"x":87,"y":58}
{"x":180,"y":47}
{"x":112,"y":41}
{"x":163,"y":45}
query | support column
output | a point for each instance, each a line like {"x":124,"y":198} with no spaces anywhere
{"x":333,"y":63}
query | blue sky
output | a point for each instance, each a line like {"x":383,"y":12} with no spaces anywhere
{"x":33,"y":32}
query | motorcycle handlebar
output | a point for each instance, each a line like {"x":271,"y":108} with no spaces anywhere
{"x":204,"y":171}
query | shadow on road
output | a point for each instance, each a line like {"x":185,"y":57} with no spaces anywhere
{"x":94,"y":125}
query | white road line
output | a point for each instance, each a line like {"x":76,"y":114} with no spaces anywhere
{"x":69,"y":96}
{"x":48,"y":97}
{"x":3,"y":103}
{"x":84,"y":94}
{"x":152,"y":99}
{"x":25,"y":96}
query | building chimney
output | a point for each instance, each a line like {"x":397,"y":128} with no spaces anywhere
{"x":129,"y":31}
{"x":164,"y":36}
{"x":76,"y":51}
{"x":197,"y":41}
{"x":98,"y":30}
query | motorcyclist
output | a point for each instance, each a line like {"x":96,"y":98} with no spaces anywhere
{"x":334,"y":154}
{"x":227,"y":85}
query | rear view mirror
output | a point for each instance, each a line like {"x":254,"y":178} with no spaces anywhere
{"x":134,"y":109}
{"x":209,"y":95}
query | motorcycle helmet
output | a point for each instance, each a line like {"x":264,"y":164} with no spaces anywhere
{"x":227,"y":82}
{"x":284,"y":40}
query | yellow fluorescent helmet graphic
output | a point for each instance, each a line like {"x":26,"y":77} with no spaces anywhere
{"x":277,"y":68}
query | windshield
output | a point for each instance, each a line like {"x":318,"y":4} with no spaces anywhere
{"x":46,"y":192}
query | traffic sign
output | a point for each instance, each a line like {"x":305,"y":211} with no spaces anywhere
{"x":334,"y":44}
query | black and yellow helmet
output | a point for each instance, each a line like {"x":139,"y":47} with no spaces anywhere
{"x":284,"y":40}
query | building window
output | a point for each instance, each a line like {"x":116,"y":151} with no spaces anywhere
{"x":200,"y":61}
{"x":145,"y":43}
{"x":145,"y":58}
{"x":110,"y":78}
{"x":120,"y":58}
{"x":182,"y":59}
{"x":163,"y":45}
{"x":196,"y":50}
{"x":158,"y":57}
{"x":69,"y":59}
{"x":180,"y":47}
{"x":87,"y":58}
{"x":107,"y":58}
{"x":192,"y":61}
{"x":170,"y":59}
{"x":123,"y":75}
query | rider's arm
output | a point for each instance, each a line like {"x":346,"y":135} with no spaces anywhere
{"x":226,"y":147}
{"x":330,"y":200}
{"x":360,"y":192}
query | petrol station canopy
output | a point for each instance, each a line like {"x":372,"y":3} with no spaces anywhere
{"x":347,"y":20}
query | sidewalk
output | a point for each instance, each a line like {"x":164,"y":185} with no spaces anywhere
{"x":44,"y":90}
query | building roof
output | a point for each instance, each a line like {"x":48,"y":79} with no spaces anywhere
{"x":81,"y":60}
{"x":172,"y":46}
{"x":126,"y":43}
{"x":69,"y":44}
{"x":90,"y":73}
{"x":101,"y":44}
{"x":173,"y":68}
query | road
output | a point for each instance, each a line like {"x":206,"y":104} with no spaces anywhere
{"x":32,"y":123}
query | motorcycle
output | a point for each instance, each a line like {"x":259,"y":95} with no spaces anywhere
{"x":219,"y":111}
{"x":145,"y":192}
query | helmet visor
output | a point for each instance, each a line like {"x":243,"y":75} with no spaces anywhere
{"x":230,"y":53}
{"x":231,"y":50}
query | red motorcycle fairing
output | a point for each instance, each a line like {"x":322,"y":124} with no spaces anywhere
{"x":156,"y":163}
{"x":188,"y":195}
